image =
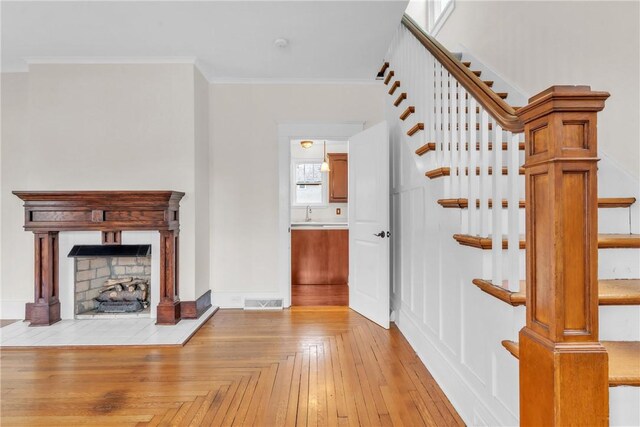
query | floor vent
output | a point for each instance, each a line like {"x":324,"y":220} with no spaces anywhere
{"x":263,"y":304}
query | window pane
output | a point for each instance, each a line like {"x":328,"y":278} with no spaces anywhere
{"x":300,"y":173}
{"x":308,"y":173}
{"x":308,"y":194}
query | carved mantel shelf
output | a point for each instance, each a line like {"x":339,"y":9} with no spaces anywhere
{"x":49,"y":212}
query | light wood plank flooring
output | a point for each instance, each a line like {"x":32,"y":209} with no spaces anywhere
{"x":304,"y":366}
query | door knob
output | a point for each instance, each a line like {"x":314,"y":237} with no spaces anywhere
{"x":380,"y":234}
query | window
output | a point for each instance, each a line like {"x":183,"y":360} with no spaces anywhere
{"x":439,"y":11}
{"x":431,"y":14}
{"x":309,"y":184}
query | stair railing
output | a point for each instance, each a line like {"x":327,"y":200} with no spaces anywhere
{"x":452,"y":102}
{"x":476,"y":138}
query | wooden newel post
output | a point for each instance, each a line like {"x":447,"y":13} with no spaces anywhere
{"x":563,"y":366}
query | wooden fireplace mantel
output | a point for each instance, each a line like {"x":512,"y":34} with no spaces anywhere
{"x":49,"y":212}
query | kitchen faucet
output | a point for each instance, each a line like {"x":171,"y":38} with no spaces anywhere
{"x":307,"y":218}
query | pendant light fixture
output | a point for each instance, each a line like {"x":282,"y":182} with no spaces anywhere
{"x":306,"y":143}
{"x":325,"y":164}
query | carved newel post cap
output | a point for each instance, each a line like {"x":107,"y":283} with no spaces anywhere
{"x":562,"y":99}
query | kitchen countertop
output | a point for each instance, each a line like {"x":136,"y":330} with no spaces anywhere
{"x":318,"y":225}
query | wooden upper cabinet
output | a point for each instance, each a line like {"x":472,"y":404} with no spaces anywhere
{"x":338,"y":177}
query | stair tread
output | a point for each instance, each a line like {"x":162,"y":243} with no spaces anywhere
{"x":605,"y":202}
{"x":401,"y":98}
{"x":394,"y":86}
{"x":624,"y":369}
{"x":431,"y":146}
{"x":384,"y":67}
{"x":610,"y":291}
{"x":503,"y":95}
{"x":605,"y":241}
{"x":446,"y":171}
{"x":410,"y":110}
{"x":390,"y":75}
{"x":417,"y":127}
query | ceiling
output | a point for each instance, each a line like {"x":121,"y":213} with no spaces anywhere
{"x":229,"y":40}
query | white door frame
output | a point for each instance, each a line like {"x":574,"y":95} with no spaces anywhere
{"x":286,"y":132}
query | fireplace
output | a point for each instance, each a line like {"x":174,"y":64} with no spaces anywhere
{"x":114,"y":285}
{"x":109,"y":212}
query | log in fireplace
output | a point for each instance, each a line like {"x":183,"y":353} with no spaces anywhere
{"x":47,"y":213}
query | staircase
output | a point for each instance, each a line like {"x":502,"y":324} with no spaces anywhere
{"x":549,"y":215}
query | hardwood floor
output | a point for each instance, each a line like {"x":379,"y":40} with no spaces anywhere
{"x":316,"y":295}
{"x":304,"y":366}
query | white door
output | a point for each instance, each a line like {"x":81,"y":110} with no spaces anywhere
{"x":369,"y":223}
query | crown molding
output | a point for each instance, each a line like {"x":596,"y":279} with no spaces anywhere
{"x":204,"y":70}
{"x":89,"y":60}
{"x":291,"y":81}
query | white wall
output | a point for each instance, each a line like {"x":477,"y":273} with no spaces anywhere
{"x":244,"y":171}
{"x":536,"y":44}
{"x":201,"y":184}
{"x":16,"y":264}
{"x":103,"y":127}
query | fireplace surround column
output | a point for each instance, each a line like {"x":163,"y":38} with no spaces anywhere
{"x":45,"y":310}
{"x":169,"y":306}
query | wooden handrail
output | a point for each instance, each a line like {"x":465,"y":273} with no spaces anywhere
{"x":497,"y":108}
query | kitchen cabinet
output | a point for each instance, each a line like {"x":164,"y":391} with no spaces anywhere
{"x":338,"y":177}
{"x":320,"y":267}
{"x":319,"y":257}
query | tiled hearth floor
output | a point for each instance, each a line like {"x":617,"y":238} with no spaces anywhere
{"x":97,"y":332}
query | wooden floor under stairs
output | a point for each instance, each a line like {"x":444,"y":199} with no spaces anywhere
{"x":624,"y":361}
{"x":605,"y":241}
{"x":610,"y":292}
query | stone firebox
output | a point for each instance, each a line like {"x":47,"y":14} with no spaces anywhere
{"x":93,"y":275}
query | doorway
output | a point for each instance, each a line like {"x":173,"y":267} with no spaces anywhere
{"x":319,"y":222}
{"x":367,"y":211}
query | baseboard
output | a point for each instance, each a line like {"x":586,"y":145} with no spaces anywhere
{"x":195,"y":309}
{"x":454,"y":386}
{"x":13,"y":309}
{"x":236,"y":299}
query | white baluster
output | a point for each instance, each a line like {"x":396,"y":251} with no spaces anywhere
{"x":485,"y":179}
{"x":496,"y":212}
{"x":430,"y":103}
{"x":446,"y":129}
{"x":472,"y":178}
{"x":513,"y":232}
{"x":463,"y":113}
{"x":454,"y":139}
{"x":438,"y":114}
